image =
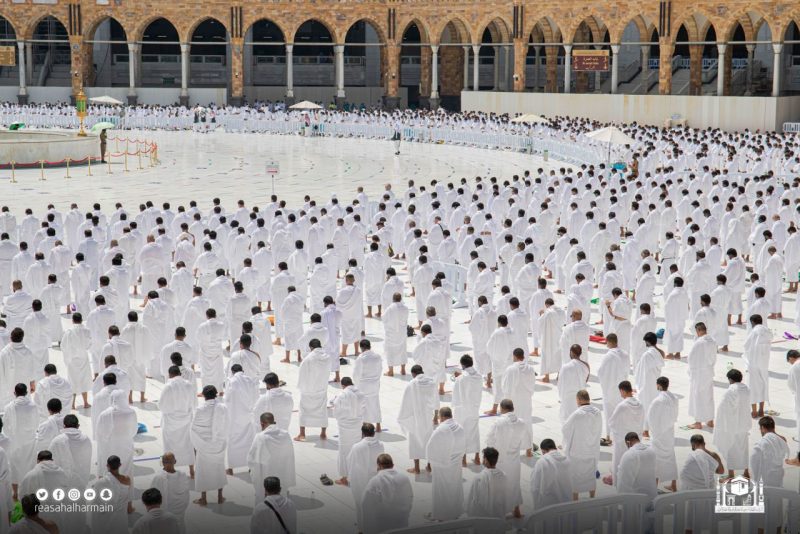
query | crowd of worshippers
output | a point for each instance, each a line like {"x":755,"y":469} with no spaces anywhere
{"x":213,"y":281}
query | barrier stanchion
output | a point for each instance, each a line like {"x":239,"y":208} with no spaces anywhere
{"x":68,"y":176}
{"x":13,"y":172}
{"x":108,"y":159}
{"x":89,"y":163}
{"x":126,"y":160}
{"x":41,"y":167}
{"x":139,"y":154}
{"x":116,"y":143}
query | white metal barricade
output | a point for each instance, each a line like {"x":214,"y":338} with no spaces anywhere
{"x":475,"y":525}
{"x":623,"y":513}
{"x":456,"y":275}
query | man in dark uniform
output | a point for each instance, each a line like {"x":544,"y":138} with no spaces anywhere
{"x":103,"y":141}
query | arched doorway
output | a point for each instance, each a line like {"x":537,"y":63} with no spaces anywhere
{"x":9,"y":74}
{"x":411,"y":63}
{"x":591,"y":34}
{"x":109,"y":53}
{"x":362,"y":64}
{"x":544,"y":63}
{"x":161,"y":55}
{"x":264,"y":61}
{"x":638,"y":58}
{"x":451,"y":72}
{"x":314,"y":63}
{"x":785,"y":62}
{"x":50,"y":55}
{"x":209,"y":55}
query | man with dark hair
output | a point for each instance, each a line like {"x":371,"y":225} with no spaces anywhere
{"x":209,"y":438}
{"x":388,"y":498}
{"x":507,"y":436}
{"x":768,"y":455}
{"x":793,"y":357}
{"x":32,"y":522}
{"x":662,"y":415}
{"x":628,"y":417}
{"x":275,"y":513}
{"x":637,"y":469}
{"x":487,"y":492}
{"x":362,"y":467}
{"x":46,"y":475}
{"x":155,"y":518}
{"x":418,"y":414}
{"x":271,"y":453}
{"x":21,"y":418}
{"x":550,"y":482}
{"x":732,"y":423}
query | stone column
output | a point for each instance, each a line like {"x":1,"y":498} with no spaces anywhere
{"x":78,"y":67}
{"x":289,"y":74}
{"x":338,"y":51}
{"x":614,"y":68}
{"x":536,"y":50}
{"x":507,"y":51}
{"x":777,"y":64}
{"x":748,"y":90}
{"x":645,"y":68}
{"x":567,"y":68}
{"x":184,"y":98}
{"x":391,"y":99}
{"x":665,"y":50}
{"x":695,"y":70}
{"x":520,"y":73}
{"x":29,"y":61}
{"x":476,"y":84}
{"x":721,"y":48}
{"x":496,"y":68}
{"x":433,"y":102}
{"x":237,"y":76}
{"x":22,"y":96}
{"x":466,"y":67}
{"x":551,"y":72}
{"x":133,"y":57}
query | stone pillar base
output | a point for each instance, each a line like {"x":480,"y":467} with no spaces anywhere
{"x":391,"y":102}
{"x":133,"y":100}
{"x":339,"y":101}
{"x":433,"y":102}
{"x":184,"y":100}
{"x":289,"y":100}
{"x":22,"y":99}
{"x":235,"y":100}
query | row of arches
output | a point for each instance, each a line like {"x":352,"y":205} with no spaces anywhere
{"x":162,"y":45}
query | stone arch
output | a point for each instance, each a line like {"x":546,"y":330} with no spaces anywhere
{"x":13,"y":24}
{"x":380,"y":30}
{"x":138,"y":32}
{"x":107,"y":60}
{"x":498,"y":26}
{"x":318,"y":20}
{"x":597,"y":30}
{"x":91,"y":27}
{"x":422,"y":27}
{"x":186,"y":36}
{"x":458,"y":28}
{"x":28,"y":33}
{"x":366,"y":63}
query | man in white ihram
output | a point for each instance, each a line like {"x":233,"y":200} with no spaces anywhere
{"x":271,"y":454}
{"x":732,"y":423}
{"x":174,"y":487}
{"x":519,"y":380}
{"x":506,"y":436}
{"x":487,"y":492}
{"x":72,"y":450}
{"x":628,"y":417}
{"x":312,"y":382}
{"x":418,"y":412}
{"x":637,"y":468}
{"x":551,"y":481}
{"x":209,"y":433}
{"x":362,"y":466}
{"x":445,"y":451}
{"x":582,"y":432}
{"x":241,"y":394}
{"x":662,"y":415}
{"x":275,"y":513}
{"x":349,"y":408}
{"x":177,"y":403}
{"x":156,"y":518}
{"x":387,"y":499}
{"x":466,"y":406}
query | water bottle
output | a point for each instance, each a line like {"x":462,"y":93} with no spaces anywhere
{"x":729,"y":366}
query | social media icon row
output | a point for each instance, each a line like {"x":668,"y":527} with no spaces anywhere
{"x":74,"y":494}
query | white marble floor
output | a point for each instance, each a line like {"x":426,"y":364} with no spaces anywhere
{"x":232,"y":166}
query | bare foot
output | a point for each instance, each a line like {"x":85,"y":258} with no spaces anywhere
{"x":529,"y":453}
{"x":696,"y":426}
{"x":792,"y":461}
{"x":546,"y":379}
{"x":201,"y":502}
{"x":412,"y":470}
{"x":229,"y":472}
{"x":710,"y":424}
{"x":389,"y":373}
{"x":300,"y":438}
{"x":490,"y":412}
{"x":342,"y":482}
{"x":285,"y":360}
{"x":221,"y":499}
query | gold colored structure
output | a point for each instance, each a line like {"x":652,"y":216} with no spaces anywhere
{"x":80,"y":110}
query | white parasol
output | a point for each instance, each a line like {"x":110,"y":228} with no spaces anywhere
{"x":110,"y":100}
{"x":305,"y":104}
